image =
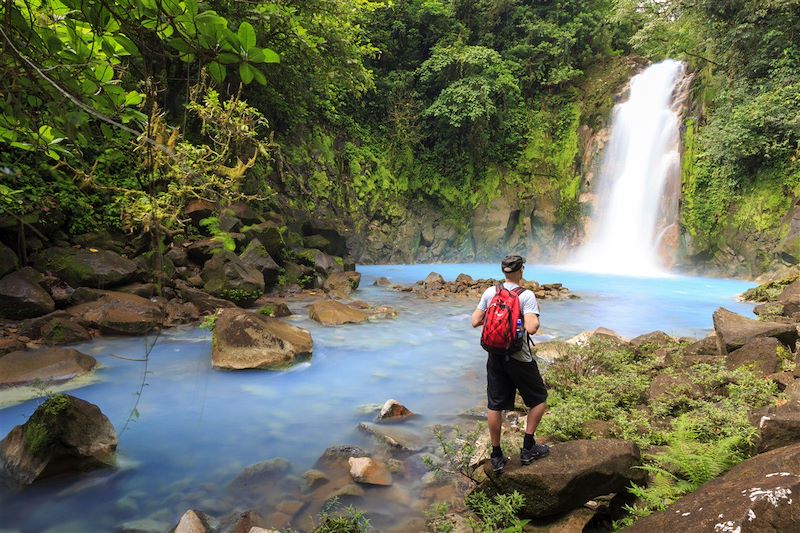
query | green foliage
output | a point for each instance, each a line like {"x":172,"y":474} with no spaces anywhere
{"x":38,"y":434}
{"x":458,"y":448}
{"x":767,"y":292}
{"x":334,"y":519}
{"x":209,"y":322}
{"x":222,"y":237}
{"x":497,"y":514}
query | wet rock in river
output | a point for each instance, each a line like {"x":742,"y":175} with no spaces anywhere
{"x":396,"y":437}
{"x":195,"y":522}
{"x":341,"y":284}
{"x":47,"y":365}
{"x":58,"y":327}
{"x":243,"y":340}
{"x":369,"y":471}
{"x":393,"y":410}
{"x":21,"y":296}
{"x":64,"y":434}
{"x":259,"y":475}
{"x":314,"y":479}
{"x":336,"y":455}
{"x":332,"y":313}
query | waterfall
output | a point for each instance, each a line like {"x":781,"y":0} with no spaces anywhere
{"x":641,"y":162}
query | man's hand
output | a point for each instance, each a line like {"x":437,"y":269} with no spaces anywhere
{"x":477,"y":318}
{"x":531,"y":323}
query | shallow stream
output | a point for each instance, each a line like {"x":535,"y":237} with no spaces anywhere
{"x":194,"y":429}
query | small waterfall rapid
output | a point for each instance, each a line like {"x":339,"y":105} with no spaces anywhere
{"x":637,"y":200}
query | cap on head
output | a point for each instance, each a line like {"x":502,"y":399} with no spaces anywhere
{"x":512,"y":263}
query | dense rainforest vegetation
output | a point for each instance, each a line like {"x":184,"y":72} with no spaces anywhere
{"x":115,"y":113}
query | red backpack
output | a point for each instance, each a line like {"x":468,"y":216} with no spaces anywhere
{"x":500,"y":322}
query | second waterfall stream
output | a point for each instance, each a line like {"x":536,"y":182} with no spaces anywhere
{"x":641,"y":161}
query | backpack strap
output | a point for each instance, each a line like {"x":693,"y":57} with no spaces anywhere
{"x":518,"y":290}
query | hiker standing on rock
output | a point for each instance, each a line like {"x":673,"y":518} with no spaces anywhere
{"x":509,"y":314}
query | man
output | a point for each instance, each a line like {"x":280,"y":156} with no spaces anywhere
{"x":518,"y":371}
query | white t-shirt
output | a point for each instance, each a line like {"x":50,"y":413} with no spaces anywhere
{"x":528,"y":306}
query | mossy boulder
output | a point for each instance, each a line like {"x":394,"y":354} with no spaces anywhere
{"x":228,"y":277}
{"x":734,"y":331}
{"x":22,"y":297}
{"x":244,"y":340}
{"x":64,"y":434}
{"x":100,"y":269}
{"x":58,"y":327}
{"x":257,"y":256}
{"x":342,"y":284}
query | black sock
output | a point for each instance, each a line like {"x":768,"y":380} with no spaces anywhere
{"x":496,"y":451}
{"x":528,"y":442}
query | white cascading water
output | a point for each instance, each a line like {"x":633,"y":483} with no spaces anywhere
{"x":642,"y":156}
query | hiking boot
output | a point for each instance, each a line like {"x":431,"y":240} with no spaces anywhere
{"x":538,"y":451}
{"x":498,"y":463}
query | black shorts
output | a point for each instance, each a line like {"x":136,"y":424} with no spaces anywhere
{"x":506,"y":375}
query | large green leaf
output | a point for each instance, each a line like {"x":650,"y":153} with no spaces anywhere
{"x":247,"y":35}
{"x":217,"y":71}
{"x":246,"y":72}
{"x":270,"y":56}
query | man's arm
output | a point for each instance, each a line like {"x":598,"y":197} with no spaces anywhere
{"x":477,"y":317}
{"x":531,"y":323}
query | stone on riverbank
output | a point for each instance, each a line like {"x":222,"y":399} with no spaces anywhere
{"x":734,"y":331}
{"x":572,"y":474}
{"x":58,"y":327}
{"x":118,"y":313}
{"x":257,"y":256}
{"x":228,"y":277}
{"x":757,"y":495}
{"x":341,"y":284}
{"x":47,"y":365}
{"x":21,"y":296}
{"x":244,"y":340}
{"x":100,"y":269}
{"x":333,"y":313}
{"x":399,"y":438}
{"x":194,"y":522}
{"x":368,"y":471}
{"x":761,"y":353}
{"x":778,"y":430}
{"x":64,"y":434}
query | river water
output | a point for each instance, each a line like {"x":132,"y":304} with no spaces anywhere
{"x":197,"y":428}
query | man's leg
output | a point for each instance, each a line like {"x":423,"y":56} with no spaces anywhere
{"x":495,"y":421}
{"x":535,"y":415}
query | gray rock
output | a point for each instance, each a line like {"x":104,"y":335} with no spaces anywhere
{"x":22,"y":297}
{"x":761,"y":352}
{"x":257,"y":256}
{"x":8,"y":260}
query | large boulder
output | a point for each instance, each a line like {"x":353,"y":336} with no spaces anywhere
{"x":197,"y":209}
{"x":8,"y":260}
{"x":118,"y":313}
{"x":46,"y":364}
{"x":333,"y":313}
{"x":755,"y":496}
{"x":21,"y":296}
{"x":269,"y":234}
{"x":574,"y":473}
{"x":256,"y":255}
{"x":778,"y":430}
{"x":760,"y":352}
{"x":734,"y":331}
{"x":342,"y":284}
{"x":202,"y":250}
{"x":245,"y":340}
{"x":228,"y":277}
{"x":64,"y":434}
{"x":321,"y":262}
{"x":101,"y":268}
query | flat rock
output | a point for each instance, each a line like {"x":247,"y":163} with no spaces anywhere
{"x":243,"y":340}
{"x":21,"y":296}
{"x":333,"y":313}
{"x":259,"y":475}
{"x":118,"y":313}
{"x":734,"y":331}
{"x":64,"y":434}
{"x":341,"y":284}
{"x":572,"y":474}
{"x":47,"y":364}
{"x":755,"y":496}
